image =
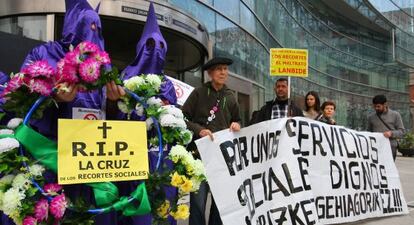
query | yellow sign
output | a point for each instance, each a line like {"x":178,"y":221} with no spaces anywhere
{"x":288,"y":62}
{"x":101,"y":151}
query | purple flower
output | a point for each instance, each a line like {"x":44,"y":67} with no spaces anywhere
{"x":15,"y":83}
{"x":41,"y":86}
{"x":73,"y":57}
{"x":41,"y":210}
{"x":87,"y":47}
{"x":67,"y":73}
{"x":29,"y":221}
{"x":89,"y":70}
{"x":58,"y":206}
{"x":39,"y":68}
{"x":52,"y":188}
{"x":102,"y":57}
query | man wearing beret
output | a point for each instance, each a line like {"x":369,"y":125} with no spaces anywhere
{"x":210,"y":108}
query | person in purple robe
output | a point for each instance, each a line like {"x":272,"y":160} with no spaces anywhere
{"x":81,"y":23}
{"x":151,"y":52}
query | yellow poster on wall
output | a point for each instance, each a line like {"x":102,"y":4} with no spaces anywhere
{"x":101,"y":151}
{"x":288,"y":62}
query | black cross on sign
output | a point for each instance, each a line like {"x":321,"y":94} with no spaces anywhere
{"x":104,"y":128}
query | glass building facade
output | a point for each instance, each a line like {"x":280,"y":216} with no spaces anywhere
{"x":357,"y":48}
{"x":349,"y":62}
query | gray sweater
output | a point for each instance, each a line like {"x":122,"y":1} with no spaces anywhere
{"x":392,"y":119}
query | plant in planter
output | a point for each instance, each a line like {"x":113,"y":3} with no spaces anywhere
{"x":406,"y":144}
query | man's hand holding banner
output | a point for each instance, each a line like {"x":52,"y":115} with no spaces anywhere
{"x":300,"y":171}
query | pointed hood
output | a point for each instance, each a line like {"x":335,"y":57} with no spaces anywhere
{"x":82,"y":23}
{"x":151,"y":49}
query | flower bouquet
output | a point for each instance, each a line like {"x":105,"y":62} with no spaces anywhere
{"x":24,"y":194}
{"x":186,"y":174}
{"x":85,"y":65}
{"x":25,"y":87}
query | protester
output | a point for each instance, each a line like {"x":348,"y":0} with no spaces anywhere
{"x":277,"y":108}
{"x":150,"y":57}
{"x":312,"y":105}
{"x":81,"y":23}
{"x":387,"y":121}
{"x":328,"y":111}
{"x":151,"y":51}
{"x":210,"y":108}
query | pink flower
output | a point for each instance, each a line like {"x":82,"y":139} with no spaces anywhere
{"x":89,"y":70}
{"x":41,"y":210}
{"x":102,"y":57}
{"x":52,"y":188}
{"x":39,"y":68}
{"x":74,"y":57}
{"x":87,"y":47}
{"x":41,"y":86}
{"x":29,"y":221}
{"x":68,"y":73}
{"x":15,"y":82}
{"x":58,"y":206}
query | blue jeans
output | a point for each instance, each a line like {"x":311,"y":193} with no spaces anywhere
{"x":198,"y":208}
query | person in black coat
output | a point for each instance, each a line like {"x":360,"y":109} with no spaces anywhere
{"x":279,"y":107}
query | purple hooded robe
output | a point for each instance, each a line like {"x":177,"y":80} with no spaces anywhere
{"x":81,"y":23}
{"x":151,"y":52}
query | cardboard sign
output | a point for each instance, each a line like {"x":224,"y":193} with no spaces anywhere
{"x":300,"y":171}
{"x":288,"y":62}
{"x":101,"y":151}
{"x":182,"y":90}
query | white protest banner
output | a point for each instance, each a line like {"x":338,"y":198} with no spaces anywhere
{"x":182,"y":90}
{"x":300,"y":171}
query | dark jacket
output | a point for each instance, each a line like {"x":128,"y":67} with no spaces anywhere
{"x":325,"y":119}
{"x":266,"y":111}
{"x":198,"y":105}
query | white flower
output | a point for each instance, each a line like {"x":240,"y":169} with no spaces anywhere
{"x":12,"y":201}
{"x":178,"y":150}
{"x":139,"y":109}
{"x":15,"y":122}
{"x":154,"y":80}
{"x":133,"y":83}
{"x":196,"y":184}
{"x":149,"y":123}
{"x":154,"y":101}
{"x":6,"y":131}
{"x":7,"y":144}
{"x":123,"y":107}
{"x":198,"y":167}
{"x":36,"y":170}
{"x":170,"y":109}
{"x":5,"y":181}
{"x":21,"y":182}
{"x":168,"y":120}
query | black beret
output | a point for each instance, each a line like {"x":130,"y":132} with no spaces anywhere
{"x":216,"y":61}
